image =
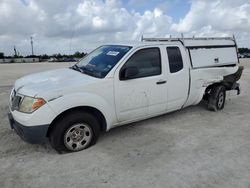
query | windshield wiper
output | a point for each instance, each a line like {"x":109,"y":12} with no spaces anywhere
{"x":75,"y":67}
{"x":89,"y":72}
{"x":83,"y":70}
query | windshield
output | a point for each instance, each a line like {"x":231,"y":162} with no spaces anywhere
{"x":99,"y":62}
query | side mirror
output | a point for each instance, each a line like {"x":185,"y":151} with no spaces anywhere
{"x":128,"y":73}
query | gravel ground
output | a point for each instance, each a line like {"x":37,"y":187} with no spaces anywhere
{"x":192,"y":147}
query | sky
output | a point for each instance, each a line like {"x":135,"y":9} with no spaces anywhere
{"x":66,"y":26}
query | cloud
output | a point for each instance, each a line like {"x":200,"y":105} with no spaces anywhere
{"x":216,"y":18}
{"x":89,"y":22}
{"x":67,"y":26}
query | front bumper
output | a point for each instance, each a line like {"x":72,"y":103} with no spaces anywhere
{"x":31,"y":134}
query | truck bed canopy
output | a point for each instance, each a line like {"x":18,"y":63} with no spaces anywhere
{"x":206,"y":52}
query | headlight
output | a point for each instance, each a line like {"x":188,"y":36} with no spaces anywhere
{"x":30,"y":104}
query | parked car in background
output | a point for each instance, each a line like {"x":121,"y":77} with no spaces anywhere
{"x":53,"y":59}
{"x":241,"y":55}
{"x":244,"y":55}
{"x":69,"y":60}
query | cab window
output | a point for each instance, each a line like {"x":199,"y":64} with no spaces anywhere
{"x":174,"y":59}
{"x":143,"y":63}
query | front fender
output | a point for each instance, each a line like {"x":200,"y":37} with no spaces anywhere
{"x":69,"y":101}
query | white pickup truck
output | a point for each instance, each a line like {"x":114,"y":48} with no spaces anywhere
{"x":120,"y":84}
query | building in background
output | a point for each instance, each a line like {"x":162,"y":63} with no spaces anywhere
{"x":19,"y":60}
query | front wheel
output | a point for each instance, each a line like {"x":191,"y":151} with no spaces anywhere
{"x":217,"y":98}
{"x":74,"y":132}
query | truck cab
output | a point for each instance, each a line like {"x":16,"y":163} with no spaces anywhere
{"x":120,"y":84}
{"x":142,"y":83}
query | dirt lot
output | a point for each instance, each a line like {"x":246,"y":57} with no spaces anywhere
{"x":188,"y":148}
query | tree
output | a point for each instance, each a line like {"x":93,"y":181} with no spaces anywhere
{"x":44,"y":56}
{"x":79,"y":54}
{"x":59,"y":56}
{"x":244,"y":50}
{"x":32,"y":56}
{"x":1,"y":55}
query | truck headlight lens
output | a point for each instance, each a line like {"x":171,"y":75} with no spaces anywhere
{"x":30,"y":104}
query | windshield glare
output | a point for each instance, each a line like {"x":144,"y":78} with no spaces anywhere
{"x":99,"y":62}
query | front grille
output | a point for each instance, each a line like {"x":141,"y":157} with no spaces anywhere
{"x":15,"y":101}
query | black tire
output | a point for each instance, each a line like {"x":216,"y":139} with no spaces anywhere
{"x":65,"y":125}
{"x":217,"y":97}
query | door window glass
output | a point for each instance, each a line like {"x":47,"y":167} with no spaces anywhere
{"x":143,"y":63}
{"x":174,"y":59}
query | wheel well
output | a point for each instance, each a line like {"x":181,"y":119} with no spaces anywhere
{"x":100,"y":117}
{"x":213,"y":85}
{"x":208,"y":89}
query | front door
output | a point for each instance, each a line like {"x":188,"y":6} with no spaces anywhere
{"x":140,"y":88}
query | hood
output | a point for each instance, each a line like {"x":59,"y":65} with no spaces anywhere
{"x":54,"y":81}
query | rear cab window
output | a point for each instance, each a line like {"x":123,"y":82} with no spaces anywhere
{"x":174,"y":59}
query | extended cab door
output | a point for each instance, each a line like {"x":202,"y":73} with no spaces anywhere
{"x":178,"y":77}
{"x":140,"y":85}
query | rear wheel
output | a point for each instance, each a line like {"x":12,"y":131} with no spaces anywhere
{"x":216,"y":98}
{"x":74,"y":132}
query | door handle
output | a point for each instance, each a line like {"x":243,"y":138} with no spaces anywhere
{"x":161,"y":82}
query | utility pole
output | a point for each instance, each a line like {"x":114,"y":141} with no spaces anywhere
{"x":15,"y":51}
{"x":31,"y":42}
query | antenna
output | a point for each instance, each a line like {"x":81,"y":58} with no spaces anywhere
{"x":31,"y":42}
